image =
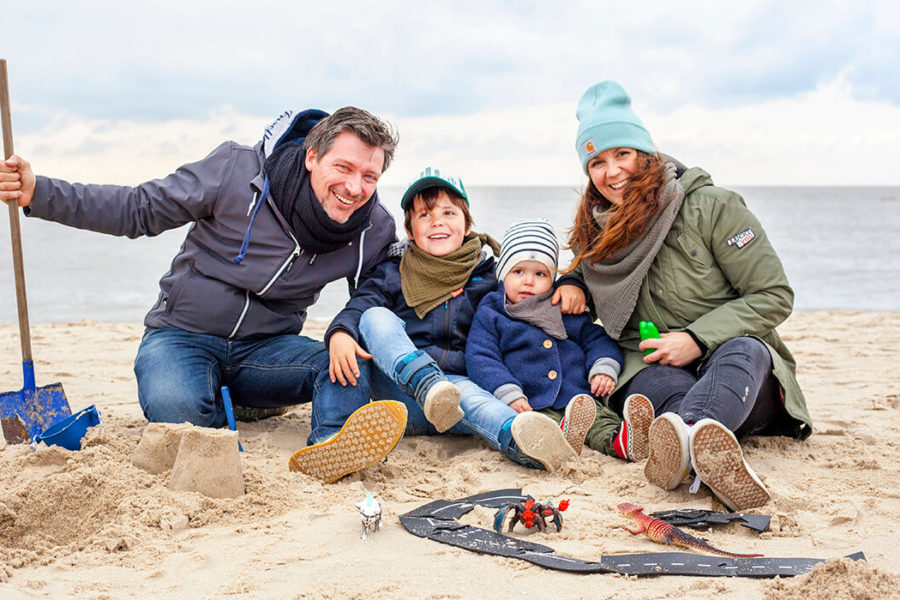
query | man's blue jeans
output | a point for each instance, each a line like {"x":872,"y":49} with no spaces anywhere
{"x":384,"y":335}
{"x":180,"y":375}
{"x":735,"y":386}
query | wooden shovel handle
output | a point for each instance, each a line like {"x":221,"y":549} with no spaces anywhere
{"x":15,"y":230}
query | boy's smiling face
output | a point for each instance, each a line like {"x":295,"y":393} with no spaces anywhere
{"x":527,"y":278}
{"x":438,"y":230}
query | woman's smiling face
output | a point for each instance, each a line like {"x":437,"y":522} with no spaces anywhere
{"x":610,"y":171}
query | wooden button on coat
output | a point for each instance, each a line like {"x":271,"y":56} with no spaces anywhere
{"x":548,"y":344}
{"x":551,"y":375}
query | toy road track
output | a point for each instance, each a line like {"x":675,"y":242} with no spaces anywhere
{"x":438,"y":521}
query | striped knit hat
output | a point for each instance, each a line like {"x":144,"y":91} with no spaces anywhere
{"x":528,"y":239}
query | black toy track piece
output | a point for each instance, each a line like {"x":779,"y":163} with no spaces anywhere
{"x":438,"y":521}
{"x":703,"y":519}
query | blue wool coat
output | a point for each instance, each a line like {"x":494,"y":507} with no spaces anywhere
{"x":503,"y":350}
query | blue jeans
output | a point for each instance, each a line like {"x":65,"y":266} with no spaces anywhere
{"x":180,"y":375}
{"x":384,"y":335}
{"x":735,"y":386}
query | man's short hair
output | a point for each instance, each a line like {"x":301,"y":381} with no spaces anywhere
{"x":367,"y":127}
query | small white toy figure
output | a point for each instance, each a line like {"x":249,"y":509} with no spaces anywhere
{"x":370,"y":513}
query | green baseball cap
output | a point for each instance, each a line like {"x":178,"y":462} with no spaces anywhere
{"x":432,"y":177}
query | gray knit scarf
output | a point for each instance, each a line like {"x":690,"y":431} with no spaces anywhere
{"x":614,"y":282}
{"x":538,"y":311}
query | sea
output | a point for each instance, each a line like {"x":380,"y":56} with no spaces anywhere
{"x":840,"y":247}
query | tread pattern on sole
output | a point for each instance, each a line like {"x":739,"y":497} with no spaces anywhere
{"x":580,"y":415}
{"x":540,"y":438}
{"x":667,"y":455}
{"x":638,"y":415}
{"x":442,"y":406}
{"x":719,"y":461}
{"x":368,"y":435}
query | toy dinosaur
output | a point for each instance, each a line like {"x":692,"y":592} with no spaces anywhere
{"x":666,"y":533}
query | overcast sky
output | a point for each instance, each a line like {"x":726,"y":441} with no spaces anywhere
{"x":756,"y":92}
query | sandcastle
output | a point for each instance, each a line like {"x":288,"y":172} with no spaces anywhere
{"x":201,"y":459}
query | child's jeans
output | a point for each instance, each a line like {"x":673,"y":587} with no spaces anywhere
{"x":384,"y":335}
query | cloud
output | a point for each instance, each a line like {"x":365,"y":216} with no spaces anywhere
{"x":764,"y":91}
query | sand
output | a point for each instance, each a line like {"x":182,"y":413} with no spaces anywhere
{"x":92,"y":524}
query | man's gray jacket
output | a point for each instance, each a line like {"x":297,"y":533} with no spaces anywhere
{"x":205,"y":290}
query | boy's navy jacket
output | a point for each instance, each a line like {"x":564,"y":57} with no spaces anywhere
{"x":443,"y":331}
{"x":503,"y":350}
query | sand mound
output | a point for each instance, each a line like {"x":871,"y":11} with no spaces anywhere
{"x":837,"y":579}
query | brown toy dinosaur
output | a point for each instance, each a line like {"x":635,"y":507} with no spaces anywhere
{"x":666,"y":533}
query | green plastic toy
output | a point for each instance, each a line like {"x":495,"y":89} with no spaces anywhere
{"x":648,"y":330}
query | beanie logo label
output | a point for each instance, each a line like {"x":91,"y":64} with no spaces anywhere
{"x":589,"y":146}
{"x":742,"y":239}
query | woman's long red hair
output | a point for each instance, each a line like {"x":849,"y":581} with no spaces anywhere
{"x":626,"y":222}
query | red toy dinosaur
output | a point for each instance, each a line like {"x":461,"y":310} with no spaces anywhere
{"x":666,"y":533}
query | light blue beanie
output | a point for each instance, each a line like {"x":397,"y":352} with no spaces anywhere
{"x":606,"y":120}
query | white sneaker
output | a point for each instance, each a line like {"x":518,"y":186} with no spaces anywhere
{"x":578,"y":418}
{"x":540,"y":438}
{"x":670,"y":455}
{"x":719,"y":462}
{"x":366,"y":437}
{"x":442,"y":406}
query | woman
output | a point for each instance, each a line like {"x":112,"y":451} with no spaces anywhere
{"x":655,"y":241}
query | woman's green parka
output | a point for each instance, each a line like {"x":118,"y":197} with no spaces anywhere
{"x":718,"y":276}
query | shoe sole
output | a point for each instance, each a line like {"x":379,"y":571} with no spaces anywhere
{"x":442,"y":406}
{"x":540,"y":438}
{"x":668,"y":454}
{"x":365,"y":439}
{"x":580,"y":414}
{"x":719,"y":461}
{"x":638,"y":415}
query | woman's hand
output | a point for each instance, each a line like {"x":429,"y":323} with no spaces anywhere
{"x":342,"y":352}
{"x":676,"y":349}
{"x":573,"y":299}
{"x":521,"y":405}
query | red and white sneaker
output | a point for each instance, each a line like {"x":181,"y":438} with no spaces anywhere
{"x":577,"y":420}
{"x":633,"y":441}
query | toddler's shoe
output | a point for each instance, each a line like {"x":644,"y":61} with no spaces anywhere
{"x":539,"y":437}
{"x":441,"y":406}
{"x":670,"y":455}
{"x":578,"y":418}
{"x":719,"y":462}
{"x":366,"y":437}
{"x":633,"y":441}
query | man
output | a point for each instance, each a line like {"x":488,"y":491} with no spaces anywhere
{"x":271,"y":225}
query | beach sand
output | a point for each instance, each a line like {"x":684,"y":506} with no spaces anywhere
{"x":89,"y":524}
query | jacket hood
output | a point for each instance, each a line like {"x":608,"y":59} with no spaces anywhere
{"x":290,"y":126}
{"x":695,"y":178}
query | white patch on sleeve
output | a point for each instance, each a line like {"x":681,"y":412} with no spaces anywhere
{"x":742,"y":239}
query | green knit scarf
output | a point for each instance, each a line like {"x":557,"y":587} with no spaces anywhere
{"x":427,"y":280}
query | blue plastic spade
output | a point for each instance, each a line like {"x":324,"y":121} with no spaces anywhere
{"x":229,"y":412}
{"x":31,"y":410}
